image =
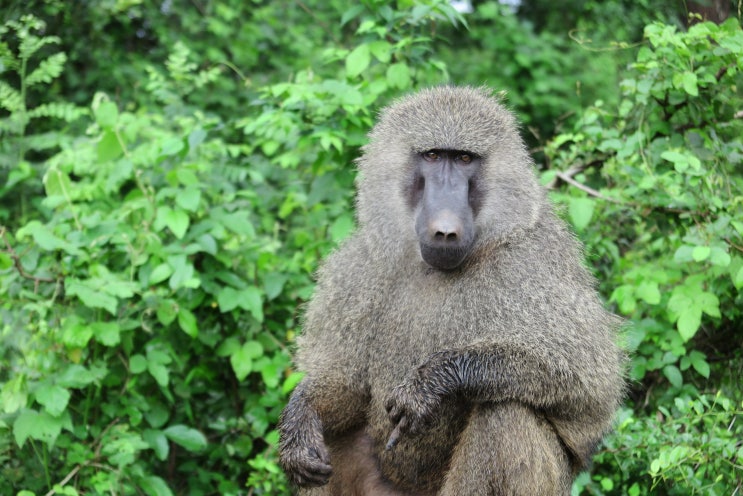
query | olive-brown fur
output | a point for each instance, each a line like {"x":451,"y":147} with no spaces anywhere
{"x":497,"y":377}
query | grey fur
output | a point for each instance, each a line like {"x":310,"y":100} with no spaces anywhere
{"x":498,"y":377}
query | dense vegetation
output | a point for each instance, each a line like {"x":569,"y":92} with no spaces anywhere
{"x":170,"y":176}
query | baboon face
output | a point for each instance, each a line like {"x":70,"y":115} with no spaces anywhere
{"x":443,"y":195}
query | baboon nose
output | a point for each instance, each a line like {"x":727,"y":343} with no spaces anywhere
{"x":445,"y":228}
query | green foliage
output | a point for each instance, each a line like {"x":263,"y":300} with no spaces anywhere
{"x":170,"y":179}
{"x":663,"y":168}
{"x":153,"y":278}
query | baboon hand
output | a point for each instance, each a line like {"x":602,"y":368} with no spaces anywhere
{"x":307,"y":465}
{"x":410,"y":408}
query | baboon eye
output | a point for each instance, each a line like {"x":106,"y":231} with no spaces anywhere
{"x":430,"y":156}
{"x":466,"y":158}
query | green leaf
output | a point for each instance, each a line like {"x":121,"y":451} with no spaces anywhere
{"x":106,"y":114}
{"x":160,"y":273}
{"x":341,"y":228}
{"x":738,"y":278}
{"x":158,"y":442}
{"x":689,"y":83}
{"x":701,"y":253}
{"x":688,"y":322}
{"x":273,"y":284}
{"x":5,"y":261}
{"x":176,"y":220}
{"x":648,"y":291}
{"x":382,"y":50}
{"x":90,"y":296}
{"x":53,"y":398}
{"x":189,"y":198}
{"x":291,"y":382}
{"x":159,"y":372}
{"x":187,"y":322}
{"x":137,"y":364}
{"x":358,"y":60}
{"x":106,"y":333}
{"x":14,"y":394}
{"x":398,"y":75}
{"x":242,"y":359}
{"x":75,"y":376}
{"x":720,"y":257}
{"x":76,"y":334}
{"x":167,"y":311}
{"x":699,"y":362}
{"x":673,"y":374}
{"x":153,"y":485}
{"x":108,"y":148}
{"x":580,"y":211}
{"x":57,"y":183}
{"x":189,"y":438}
{"x":40,"y":426}
{"x":228,"y":299}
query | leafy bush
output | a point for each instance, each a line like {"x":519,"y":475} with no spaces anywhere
{"x":662,"y":171}
{"x":153,"y":263}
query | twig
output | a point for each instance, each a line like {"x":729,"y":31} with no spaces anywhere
{"x":587,"y":189}
{"x":17,"y":261}
{"x":67,"y":478}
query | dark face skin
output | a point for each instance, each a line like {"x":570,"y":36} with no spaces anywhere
{"x":445,"y":199}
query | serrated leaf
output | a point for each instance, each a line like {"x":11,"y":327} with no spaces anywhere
{"x":48,"y":69}
{"x":580,"y":211}
{"x":189,"y":438}
{"x":53,"y":398}
{"x":358,"y":60}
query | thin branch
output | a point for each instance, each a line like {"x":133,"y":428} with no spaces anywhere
{"x":587,"y":189}
{"x":17,"y":261}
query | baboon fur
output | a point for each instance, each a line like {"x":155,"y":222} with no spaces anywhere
{"x":498,"y":377}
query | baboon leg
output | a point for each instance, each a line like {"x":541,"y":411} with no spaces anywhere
{"x":507,"y":450}
{"x":355,"y":470}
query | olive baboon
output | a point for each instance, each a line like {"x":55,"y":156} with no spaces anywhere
{"x":455,"y":344}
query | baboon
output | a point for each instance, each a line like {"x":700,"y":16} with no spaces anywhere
{"x":455,"y":344}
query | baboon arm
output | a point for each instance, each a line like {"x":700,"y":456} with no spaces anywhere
{"x":483,"y":374}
